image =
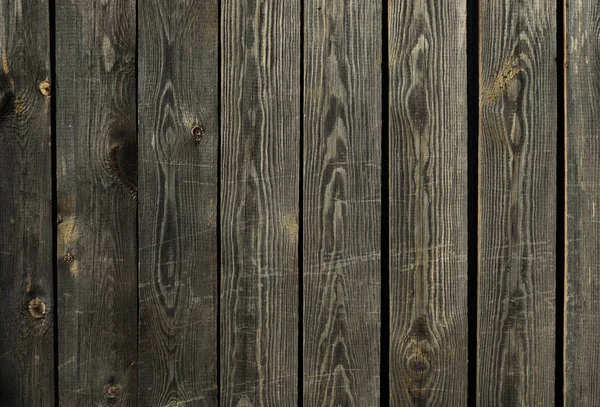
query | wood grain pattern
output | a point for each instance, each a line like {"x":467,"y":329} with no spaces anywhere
{"x":517,"y":203}
{"x":428,"y":203}
{"x":259,"y":219}
{"x":97,"y":187}
{"x":342,"y":202}
{"x":582,"y":319}
{"x":26,"y":271}
{"x":178,"y":136}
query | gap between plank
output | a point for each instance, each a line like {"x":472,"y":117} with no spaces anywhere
{"x":473,"y":192}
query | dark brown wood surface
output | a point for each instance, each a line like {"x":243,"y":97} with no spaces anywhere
{"x":178,"y":138}
{"x":517,"y":203}
{"x":96,"y":154}
{"x":26,"y":273}
{"x":428,"y":203}
{"x":292,"y":156}
{"x":260,"y":122}
{"x":582,"y":269}
{"x":342,"y":202}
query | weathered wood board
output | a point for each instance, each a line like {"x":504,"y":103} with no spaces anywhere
{"x":342,"y":202}
{"x":96,"y":143}
{"x":428,"y":203}
{"x":26,"y":261}
{"x":178,"y":140}
{"x":517,"y":203}
{"x":582,"y":268}
{"x":260,"y":120}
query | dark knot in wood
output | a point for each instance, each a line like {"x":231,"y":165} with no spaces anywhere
{"x":45,"y":87}
{"x":37,"y":308}
{"x":198,"y":132}
{"x":112,"y":393}
{"x":418,"y":359}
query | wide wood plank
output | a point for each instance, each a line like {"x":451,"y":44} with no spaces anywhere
{"x":428,"y":203}
{"x":517,"y":203}
{"x":97,"y":187}
{"x":178,"y":136}
{"x":26,"y":286}
{"x":342,"y":202}
{"x":582,"y":318}
{"x":259,"y":202}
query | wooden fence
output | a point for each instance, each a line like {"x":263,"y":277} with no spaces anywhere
{"x":299,"y":202}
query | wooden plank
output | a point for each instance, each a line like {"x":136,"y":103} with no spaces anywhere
{"x":97,"y":187}
{"x":260,"y":199}
{"x":428,"y":203}
{"x":178,"y":136}
{"x":517,"y":203}
{"x":26,"y":260}
{"x":342,"y":202}
{"x":582,"y":258}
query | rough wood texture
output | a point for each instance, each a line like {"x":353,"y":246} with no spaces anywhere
{"x":26,"y":271}
{"x":582,"y":349}
{"x":96,"y":176}
{"x":260,"y":177}
{"x":517,"y":203}
{"x":178,"y":136}
{"x":428,"y":203}
{"x":342,"y":202}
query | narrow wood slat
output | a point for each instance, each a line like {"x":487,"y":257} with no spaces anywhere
{"x":259,"y":202}
{"x":582,"y":245}
{"x":26,"y":288}
{"x":178,"y":136}
{"x":517,"y":203}
{"x":428,"y":203}
{"x":342,"y":202}
{"x":96,"y":179}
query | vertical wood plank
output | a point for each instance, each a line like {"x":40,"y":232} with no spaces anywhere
{"x":342,"y":202}
{"x":259,"y":210}
{"x":97,"y":187}
{"x":26,"y":260}
{"x":178,"y":136}
{"x":517,"y":203}
{"x":428,"y":203}
{"x":582,"y":320}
